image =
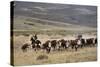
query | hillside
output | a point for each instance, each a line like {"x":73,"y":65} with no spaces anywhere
{"x":67,"y":13}
{"x":29,"y":23}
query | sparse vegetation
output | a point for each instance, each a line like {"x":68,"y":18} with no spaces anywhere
{"x":31,"y":57}
{"x":41,"y":57}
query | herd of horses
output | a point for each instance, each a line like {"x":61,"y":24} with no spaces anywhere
{"x":60,"y":44}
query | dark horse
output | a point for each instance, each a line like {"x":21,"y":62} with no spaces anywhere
{"x":35,"y":43}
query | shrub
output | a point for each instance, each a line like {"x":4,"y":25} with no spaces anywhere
{"x":41,"y":57}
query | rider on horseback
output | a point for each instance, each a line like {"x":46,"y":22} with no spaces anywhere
{"x":34,"y":38}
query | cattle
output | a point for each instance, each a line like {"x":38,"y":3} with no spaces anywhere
{"x":60,"y":44}
{"x":63,"y":44}
{"x":90,"y":42}
{"x":73,"y":44}
{"x":47,"y":46}
{"x":95,"y":40}
{"x":67,"y":44}
{"x":24,"y":47}
{"x":53,"y":44}
{"x":81,"y":42}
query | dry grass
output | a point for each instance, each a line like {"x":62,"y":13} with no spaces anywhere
{"x":30,"y":57}
{"x":66,"y":56}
